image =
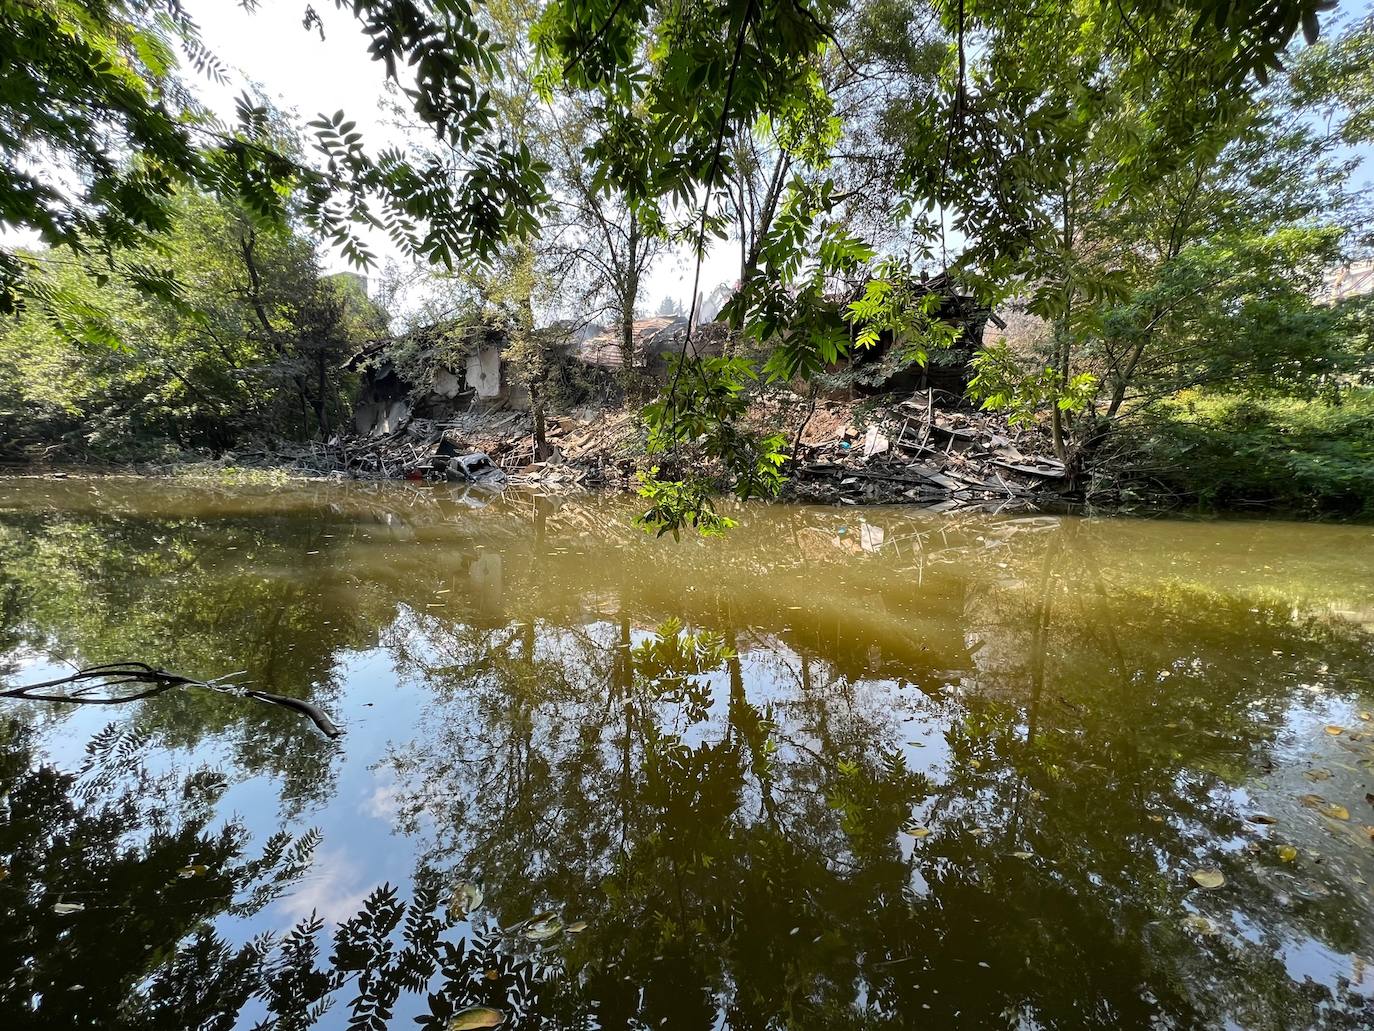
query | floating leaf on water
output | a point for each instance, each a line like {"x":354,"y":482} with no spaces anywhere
{"x":1023,"y":855}
{"x":4,"y":872}
{"x":476,"y":1017}
{"x":1288,"y":853}
{"x":1264,"y":818}
{"x":492,"y":975}
{"x":543,"y":930}
{"x":1208,"y":877}
{"x":975,"y":764}
{"x":1367,"y":716}
{"x":1199,"y":924}
{"x":195,"y":870}
{"x":466,"y":897}
{"x":63,"y":908}
{"x":577,"y":927}
{"x":1328,"y":809}
{"x":1318,"y":774}
{"x":1156,"y":818}
{"x":977,"y":832}
{"x":1334,"y":730}
{"x":916,"y":830}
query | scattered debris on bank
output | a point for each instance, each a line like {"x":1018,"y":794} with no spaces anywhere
{"x":589,"y":449}
{"x":914,"y":450}
{"x":909,"y":450}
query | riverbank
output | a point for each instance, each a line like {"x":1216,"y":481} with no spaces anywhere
{"x":885,"y":450}
{"x":1215,"y":454}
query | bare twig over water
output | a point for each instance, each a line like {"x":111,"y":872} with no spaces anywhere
{"x":91,"y":686}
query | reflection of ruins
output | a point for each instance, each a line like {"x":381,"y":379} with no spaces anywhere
{"x":724,"y":756}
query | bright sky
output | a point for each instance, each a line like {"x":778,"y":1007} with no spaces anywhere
{"x":307,"y":75}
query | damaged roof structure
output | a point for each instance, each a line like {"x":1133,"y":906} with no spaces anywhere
{"x":655,"y":338}
{"x":884,"y":366}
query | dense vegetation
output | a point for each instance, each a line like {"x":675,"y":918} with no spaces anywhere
{"x":1162,"y":189}
{"x":253,"y":345}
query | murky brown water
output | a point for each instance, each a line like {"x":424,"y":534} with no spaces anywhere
{"x":840,"y":769}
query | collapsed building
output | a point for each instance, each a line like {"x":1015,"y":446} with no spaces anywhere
{"x":653,"y":342}
{"x":889,"y":366}
{"x":437,"y":371}
{"x":428,"y":374}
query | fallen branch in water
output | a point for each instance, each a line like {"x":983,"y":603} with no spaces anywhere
{"x":153,"y":682}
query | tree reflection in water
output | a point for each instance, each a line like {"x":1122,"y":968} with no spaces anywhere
{"x":886,"y":772}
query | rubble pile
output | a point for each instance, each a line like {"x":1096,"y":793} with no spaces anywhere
{"x":486,"y":446}
{"x":917,"y":451}
{"x":923,"y":449}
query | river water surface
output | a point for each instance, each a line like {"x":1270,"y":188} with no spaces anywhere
{"x":839,"y":769}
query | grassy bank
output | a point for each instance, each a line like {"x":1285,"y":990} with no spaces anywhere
{"x":1312,"y":455}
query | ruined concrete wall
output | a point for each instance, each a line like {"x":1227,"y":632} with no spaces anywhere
{"x":484,"y":372}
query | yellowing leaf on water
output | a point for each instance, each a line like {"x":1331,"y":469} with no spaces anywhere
{"x":1156,"y":818}
{"x":1318,"y":774}
{"x":1023,"y":855}
{"x":1208,"y":877}
{"x":1328,"y":809}
{"x":978,"y":832}
{"x":466,"y":897}
{"x":916,"y":830}
{"x":543,"y":930}
{"x":581,"y":925}
{"x":975,"y":764}
{"x":1288,"y":853}
{"x":63,"y":908}
{"x":1333,"y":730}
{"x":1367,"y":716}
{"x":1200,"y":924}
{"x":196,"y":870}
{"x":476,"y":1017}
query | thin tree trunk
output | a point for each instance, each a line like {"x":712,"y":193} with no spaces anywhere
{"x":321,"y":397}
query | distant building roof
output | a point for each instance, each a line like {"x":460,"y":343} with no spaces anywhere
{"x":1353,"y":280}
{"x":650,"y":336}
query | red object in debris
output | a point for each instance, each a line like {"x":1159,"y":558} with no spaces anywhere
{"x":414,"y":474}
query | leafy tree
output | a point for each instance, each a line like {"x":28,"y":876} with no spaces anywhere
{"x":98,"y":97}
{"x":1204,"y":274}
{"x":255,"y":344}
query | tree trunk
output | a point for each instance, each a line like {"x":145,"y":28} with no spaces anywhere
{"x":541,"y":444}
{"x":321,"y":397}
{"x":629,"y":294}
